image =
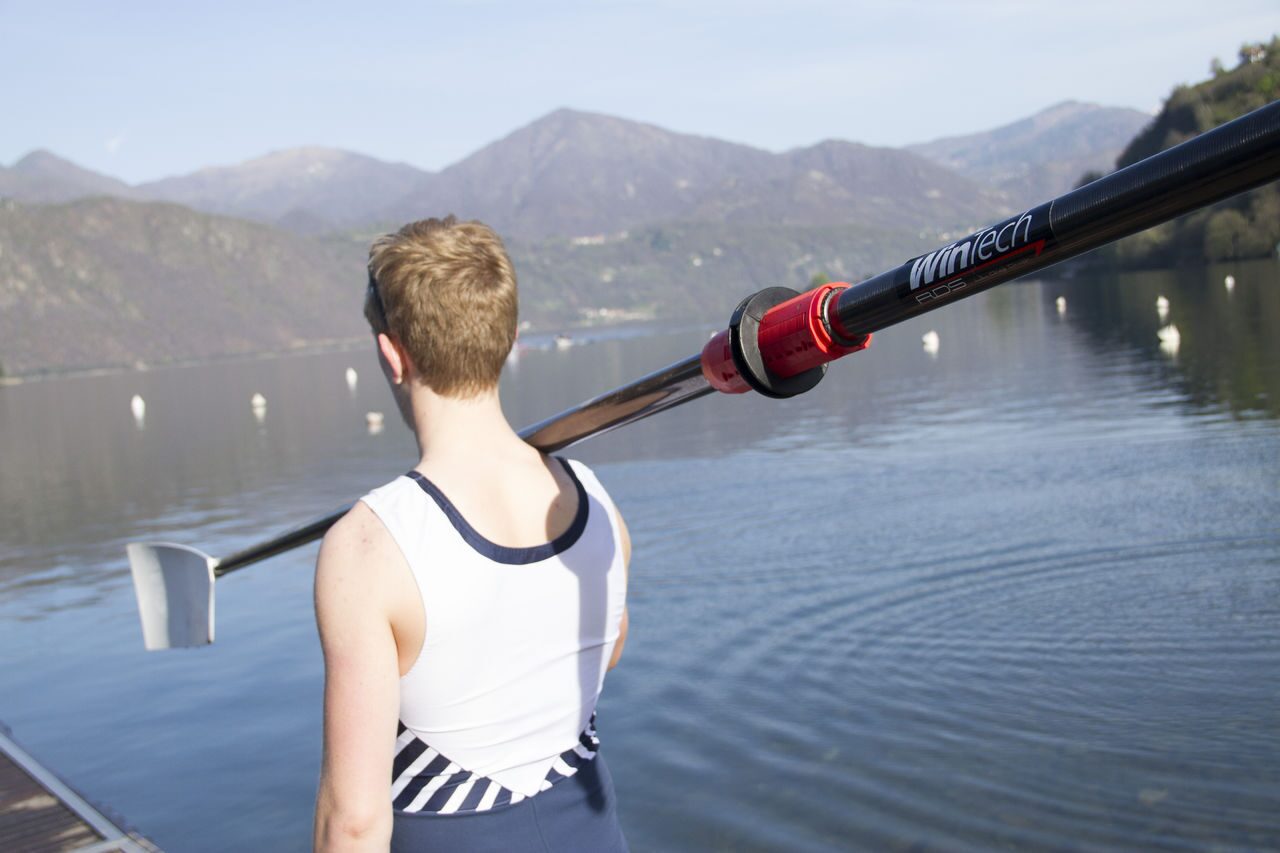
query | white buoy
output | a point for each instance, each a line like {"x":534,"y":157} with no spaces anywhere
{"x":563,"y":341}
{"x":1162,"y":307}
{"x":139,"y":408}
{"x":373,"y":420}
{"x":1229,"y":283}
{"x":1061,"y":303}
{"x":352,"y":378}
{"x":1170,"y":339}
{"x":259,"y":405}
{"x":930,"y":339}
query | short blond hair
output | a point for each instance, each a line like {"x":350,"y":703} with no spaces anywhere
{"x":446,"y":291}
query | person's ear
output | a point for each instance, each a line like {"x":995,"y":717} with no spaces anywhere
{"x":394,"y":361}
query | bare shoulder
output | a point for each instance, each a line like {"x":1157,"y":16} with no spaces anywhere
{"x":354,"y":560}
{"x":359,"y":532}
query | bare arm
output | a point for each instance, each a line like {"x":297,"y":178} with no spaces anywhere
{"x":361,"y":688}
{"x":624,"y":537}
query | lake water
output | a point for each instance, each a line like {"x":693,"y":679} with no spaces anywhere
{"x":1023,"y":594}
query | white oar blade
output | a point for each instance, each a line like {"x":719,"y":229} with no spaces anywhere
{"x":174,"y":585}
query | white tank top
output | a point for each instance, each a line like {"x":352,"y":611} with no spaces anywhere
{"x":500,"y":702}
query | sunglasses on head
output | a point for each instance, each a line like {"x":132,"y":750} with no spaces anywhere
{"x":377,"y":299}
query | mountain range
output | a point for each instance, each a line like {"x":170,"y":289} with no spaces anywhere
{"x":599,"y":212}
{"x":106,"y":282}
{"x":1043,"y":156}
{"x":305,"y":190}
{"x":573,"y":173}
{"x":43,"y":177}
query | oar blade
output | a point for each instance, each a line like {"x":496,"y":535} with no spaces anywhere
{"x":174,"y":585}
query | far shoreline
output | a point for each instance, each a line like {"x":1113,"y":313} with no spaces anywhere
{"x":1067,"y":271}
{"x":318,"y":348}
{"x":326,"y":347}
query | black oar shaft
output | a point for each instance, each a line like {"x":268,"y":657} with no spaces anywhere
{"x":1227,"y":160}
{"x":663,"y":389}
{"x":295,"y":538}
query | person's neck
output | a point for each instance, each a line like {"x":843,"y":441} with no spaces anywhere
{"x":453,"y":429}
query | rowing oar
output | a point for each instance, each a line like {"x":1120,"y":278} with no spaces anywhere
{"x":779,"y":342}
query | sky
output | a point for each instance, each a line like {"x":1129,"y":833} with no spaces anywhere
{"x":144,"y":90}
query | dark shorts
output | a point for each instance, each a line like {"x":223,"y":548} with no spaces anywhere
{"x":577,"y":815}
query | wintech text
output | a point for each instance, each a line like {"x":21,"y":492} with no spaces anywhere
{"x":988,"y":244}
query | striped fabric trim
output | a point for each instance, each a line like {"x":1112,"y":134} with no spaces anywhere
{"x":423,"y":780}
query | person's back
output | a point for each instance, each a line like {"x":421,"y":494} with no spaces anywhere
{"x":509,"y":494}
{"x":470,"y":608}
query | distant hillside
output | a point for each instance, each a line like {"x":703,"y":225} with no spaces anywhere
{"x":307,"y":190}
{"x":1247,"y":226}
{"x":837,"y":183}
{"x":114,"y":283}
{"x":1043,"y":156}
{"x":44,"y":177}
{"x":695,"y":270}
{"x":574,"y":174}
{"x":604,"y":217}
{"x":107,"y":282}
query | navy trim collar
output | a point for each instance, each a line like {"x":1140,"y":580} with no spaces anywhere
{"x":502,"y":553}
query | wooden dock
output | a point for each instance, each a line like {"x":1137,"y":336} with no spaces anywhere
{"x":39,"y":813}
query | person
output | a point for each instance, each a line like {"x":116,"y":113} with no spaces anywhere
{"x":469,"y":609}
